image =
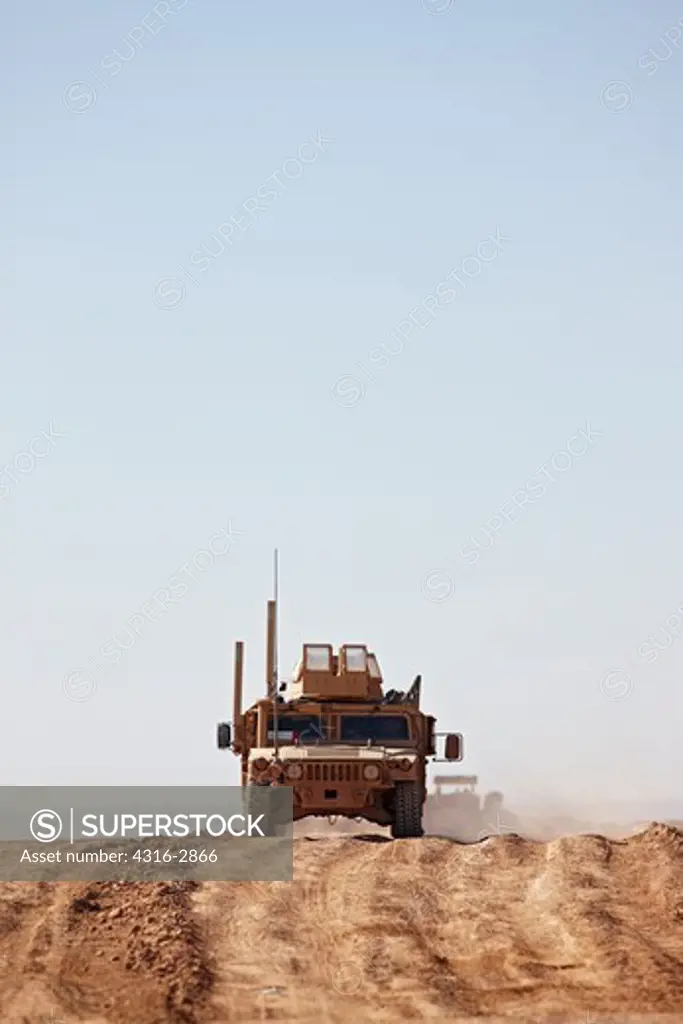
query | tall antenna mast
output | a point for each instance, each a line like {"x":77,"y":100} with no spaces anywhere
{"x":274,"y":681}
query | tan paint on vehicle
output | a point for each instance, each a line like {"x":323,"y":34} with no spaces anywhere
{"x":342,"y":744}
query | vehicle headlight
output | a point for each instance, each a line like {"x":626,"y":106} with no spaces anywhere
{"x":406,"y":764}
{"x":370,"y":772}
{"x":295,"y":771}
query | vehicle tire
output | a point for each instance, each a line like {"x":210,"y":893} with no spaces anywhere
{"x":258,"y":800}
{"x":407,"y":823}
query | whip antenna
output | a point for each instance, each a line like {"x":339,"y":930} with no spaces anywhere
{"x":274,"y":680}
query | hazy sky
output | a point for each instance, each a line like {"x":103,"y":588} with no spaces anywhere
{"x":343,"y":163}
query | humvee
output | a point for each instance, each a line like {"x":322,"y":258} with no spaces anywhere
{"x":345,"y":746}
{"x":454,"y":807}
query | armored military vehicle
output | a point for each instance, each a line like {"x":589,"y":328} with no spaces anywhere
{"x":455,"y":809}
{"x":345,"y":746}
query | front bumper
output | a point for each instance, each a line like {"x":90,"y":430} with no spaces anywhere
{"x":347,"y":786}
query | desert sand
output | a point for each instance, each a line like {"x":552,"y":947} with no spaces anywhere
{"x":581,"y":928}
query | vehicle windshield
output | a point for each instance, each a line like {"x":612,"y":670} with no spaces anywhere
{"x":378,"y":728}
{"x":296,"y":728}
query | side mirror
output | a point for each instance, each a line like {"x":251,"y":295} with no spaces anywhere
{"x":223,"y":737}
{"x":454,"y":745}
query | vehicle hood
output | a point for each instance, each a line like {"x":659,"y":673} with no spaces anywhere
{"x":334,"y":752}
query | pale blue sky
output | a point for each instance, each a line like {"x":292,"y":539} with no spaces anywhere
{"x":446,"y":128}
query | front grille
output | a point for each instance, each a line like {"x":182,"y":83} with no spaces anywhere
{"x":325,"y":772}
